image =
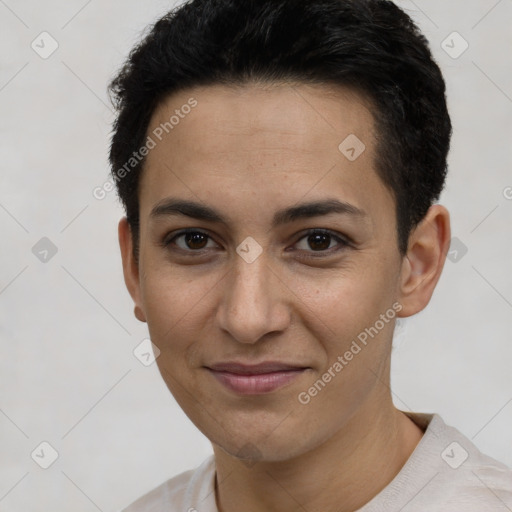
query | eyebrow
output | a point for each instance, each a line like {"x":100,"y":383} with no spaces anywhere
{"x":174,"y":206}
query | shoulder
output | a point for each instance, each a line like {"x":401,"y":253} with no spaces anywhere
{"x":480,"y":481}
{"x":182,"y":492}
{"x":461,"y":477}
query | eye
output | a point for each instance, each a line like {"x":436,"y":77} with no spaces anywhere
{"x":319,"y":240}
{"x":192,"y":240}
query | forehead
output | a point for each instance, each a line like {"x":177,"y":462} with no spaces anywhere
{"x":259,"y":140}
{"x":297,"y":114}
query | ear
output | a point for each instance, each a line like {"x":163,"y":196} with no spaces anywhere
{"x":130,"y":267}
{"x":422,"y":265}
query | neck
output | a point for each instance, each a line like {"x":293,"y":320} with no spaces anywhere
{"x":341,"y":475}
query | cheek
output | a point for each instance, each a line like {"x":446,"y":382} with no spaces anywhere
{"x":180,"y":307}
{"x":346,"y":321}
{"x":171,"y":294}
{"x":346,"y":300}
{"x":344,"y":317}
{"x":174,"y":308}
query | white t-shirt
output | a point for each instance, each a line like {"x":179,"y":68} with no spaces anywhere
{"x":445,"y":473}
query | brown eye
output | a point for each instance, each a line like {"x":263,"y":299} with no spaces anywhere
{"x":195,"y":240}
{"x":319,"y":241}
{"x":192,"y":241}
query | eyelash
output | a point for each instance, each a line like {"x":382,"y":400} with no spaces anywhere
{"x":343,"y":243}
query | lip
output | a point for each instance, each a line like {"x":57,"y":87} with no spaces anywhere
{"x":255,"y":379}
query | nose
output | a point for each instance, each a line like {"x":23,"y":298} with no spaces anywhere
{"x":254,"y":301}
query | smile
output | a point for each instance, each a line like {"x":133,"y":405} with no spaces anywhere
{"x":256,"y":383}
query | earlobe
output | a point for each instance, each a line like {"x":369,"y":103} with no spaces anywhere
{"x":424,"y":261}
{"x":139,"y":314}
{"x":130,"y":267}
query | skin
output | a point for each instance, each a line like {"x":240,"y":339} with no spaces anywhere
{"x":249,"y":151}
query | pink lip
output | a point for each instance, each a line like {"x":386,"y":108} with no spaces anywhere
{"x":255,"y":379}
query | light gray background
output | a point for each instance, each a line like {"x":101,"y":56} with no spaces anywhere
{"x":68,"y":374}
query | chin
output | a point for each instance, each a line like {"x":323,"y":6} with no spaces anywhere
{"x":250,"y":454}
{"x":254,"y":447}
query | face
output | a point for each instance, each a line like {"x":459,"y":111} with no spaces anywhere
{"x":290,"y":257}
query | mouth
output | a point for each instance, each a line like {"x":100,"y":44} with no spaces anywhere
{"x":257,"y":379}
